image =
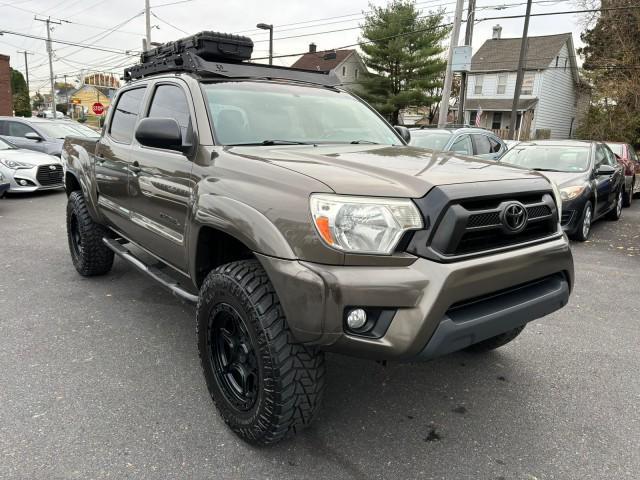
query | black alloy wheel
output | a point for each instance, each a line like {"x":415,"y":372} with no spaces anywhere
{"x":232,"y":357}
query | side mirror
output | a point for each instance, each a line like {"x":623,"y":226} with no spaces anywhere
{"x":606,"y":170}
{"x":159,"y":133}
{"x":404,"y":133}
{"x":33,"y":136}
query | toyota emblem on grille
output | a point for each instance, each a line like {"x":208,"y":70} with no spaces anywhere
{"x":514,"y":217}
{"x":52,"y":167}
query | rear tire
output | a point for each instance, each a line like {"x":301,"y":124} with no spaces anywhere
{"x":89,"y":254}
{"x":495,"y":342}
{"x":264,"y":384}
{"x":616,"y":212}
{"x":583,"y":230}
{"x":627,"y":197}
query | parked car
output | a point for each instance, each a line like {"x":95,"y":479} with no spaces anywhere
{"x":38,"y":134}
{"x":28,"y":171}
{"x":49,"y":114}
{"x":628,"y":158}
{"x":4,"y":185}
{"x":473,"y":141}
{"x":590,"y":179}
{"x":298,"y":220}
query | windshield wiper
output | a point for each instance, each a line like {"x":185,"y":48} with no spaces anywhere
{"x":283,"y":142}
{"x":356,"y":142}
{"x":546,"y":170}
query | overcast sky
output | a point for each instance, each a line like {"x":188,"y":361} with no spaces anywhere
{"x":92,"y":22}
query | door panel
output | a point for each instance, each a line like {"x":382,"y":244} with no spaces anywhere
{"x":161,"y":183}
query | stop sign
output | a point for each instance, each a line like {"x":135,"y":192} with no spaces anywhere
{"x":97,"y":108}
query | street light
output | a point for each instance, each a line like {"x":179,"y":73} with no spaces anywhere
{"x":266,"y":26}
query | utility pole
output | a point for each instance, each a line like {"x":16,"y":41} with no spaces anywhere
{"x":448,"y":78}
{"x":147,"y":22}
{"x":48,"y":21}
{"x":521,"y":64}
{"x":468,"y":39}
{"x":26,"y":67}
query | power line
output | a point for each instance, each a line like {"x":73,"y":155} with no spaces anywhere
{"x":167,"y":23}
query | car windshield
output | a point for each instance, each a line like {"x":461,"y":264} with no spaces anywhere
{"x":58,"y":130}
{"x":616,"y":148}
{"x":4,"y":145}
{"x":260,"y":113}
{"x":549,"y":157}
{"x":432,"y":140}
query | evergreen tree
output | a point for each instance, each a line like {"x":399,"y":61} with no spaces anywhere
{"x":405,"y":53}
{"x":21,"y":103}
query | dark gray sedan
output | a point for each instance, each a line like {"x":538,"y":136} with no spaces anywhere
{"x":41,"y":135}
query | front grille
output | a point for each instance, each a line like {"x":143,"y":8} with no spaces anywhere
{"x":468,"y":227}
{"x":48,"y":176}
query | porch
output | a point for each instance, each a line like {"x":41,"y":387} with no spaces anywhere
{"x":496,"y":116}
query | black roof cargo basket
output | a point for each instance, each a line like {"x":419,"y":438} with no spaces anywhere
{"x":218,"y":55}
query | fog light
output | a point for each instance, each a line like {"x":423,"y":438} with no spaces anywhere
{"x":356,"y":318}
{"x":22,"y":182}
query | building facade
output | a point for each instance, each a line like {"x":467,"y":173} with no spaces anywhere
{"x":6,"y":98}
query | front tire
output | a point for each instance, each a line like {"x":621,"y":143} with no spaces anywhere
{"x":583,"y":230}
{"x":628,"y":197}
{"x":89,"y":254}
{"x":264,"y":384}
{"x":495,"y":342}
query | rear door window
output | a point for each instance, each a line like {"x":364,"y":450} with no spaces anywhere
{"x":482,"y":145}
{"x":495,"y":145}
{"x":125,"y":116}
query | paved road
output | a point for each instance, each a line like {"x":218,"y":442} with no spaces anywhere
{"x":99,"y":378}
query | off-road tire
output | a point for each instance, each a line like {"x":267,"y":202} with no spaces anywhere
{"x":579,"y":234}
{"x":495,"y":342}
{"x":616,"y":212}
{"x":93,"y":257}
{"x":291,"y":375}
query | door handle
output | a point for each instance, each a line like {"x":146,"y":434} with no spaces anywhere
{"x":135,"y":167}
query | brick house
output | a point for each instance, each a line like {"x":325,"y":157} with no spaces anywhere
{"x":6,"y":102}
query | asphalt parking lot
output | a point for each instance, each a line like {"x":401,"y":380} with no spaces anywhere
{"x":100,"y":378}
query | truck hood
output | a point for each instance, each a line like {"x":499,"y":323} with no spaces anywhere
{"x":29,"y":156}
{"x":393,"y":171}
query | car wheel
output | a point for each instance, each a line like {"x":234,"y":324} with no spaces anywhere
{"x":627,"y":197}
{"x":90,"y":256}
{"x":583,"y":230}
{"x":495,"y":342}
{"x":264,"y":384}
{"x":616,"y":212}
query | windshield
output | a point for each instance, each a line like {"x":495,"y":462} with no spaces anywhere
{"x":83,"y":130}
{"x":4,"y":145}
{"x":432,"y":140}
{"x":267,"y":113}
{"x":58,"y":130}
{"x":616,"y":148}
{"x":548,"y":157}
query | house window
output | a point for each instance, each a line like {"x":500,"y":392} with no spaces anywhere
{"x":502,"y":83}
{"x":527,"y":83}
{"x":477,"y":89}
{"x":344,"y":71}
{"x":496,"y":124}
{"x":472,"y":117}
{"x":557,"y":59}
{"x":356,"y":73}
{"x":565,"y":63}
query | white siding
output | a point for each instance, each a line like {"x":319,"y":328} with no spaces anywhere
{"x":349,"y":66}
{"x":490,"y":86}
{"x":556,"y":106}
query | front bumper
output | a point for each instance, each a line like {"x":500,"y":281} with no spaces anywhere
{"x":30,"y":176}
{"x":425,"y":297}
{"x":572,"y":211}
{"x":3,"y":188}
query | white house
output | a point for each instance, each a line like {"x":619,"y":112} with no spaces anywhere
{"x":346,"y":64}
{"x":550,"y":91}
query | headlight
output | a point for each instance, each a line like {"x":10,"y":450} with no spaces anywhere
{"x":13,"y":165}
{"x":558,"y":197}
{"x":363,"y":224}
{"x":569,"y":193}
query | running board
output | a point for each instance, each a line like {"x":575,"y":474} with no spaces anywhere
{"x":154,"y":272}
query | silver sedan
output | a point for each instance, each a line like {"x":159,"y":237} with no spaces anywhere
{"x":28,"y":171}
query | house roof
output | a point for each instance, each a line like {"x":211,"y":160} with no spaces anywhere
{"x":316,"y":61}
{"x":498,"y":104}
{"x":502,"y":54}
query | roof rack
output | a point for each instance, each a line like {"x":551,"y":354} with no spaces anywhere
{"x":211,"y":54}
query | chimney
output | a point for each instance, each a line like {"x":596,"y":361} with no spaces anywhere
{"x":497,"y":32}
{"x":312,"y":48}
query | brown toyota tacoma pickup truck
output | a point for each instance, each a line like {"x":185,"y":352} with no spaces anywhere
{"x":299,"y":221}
